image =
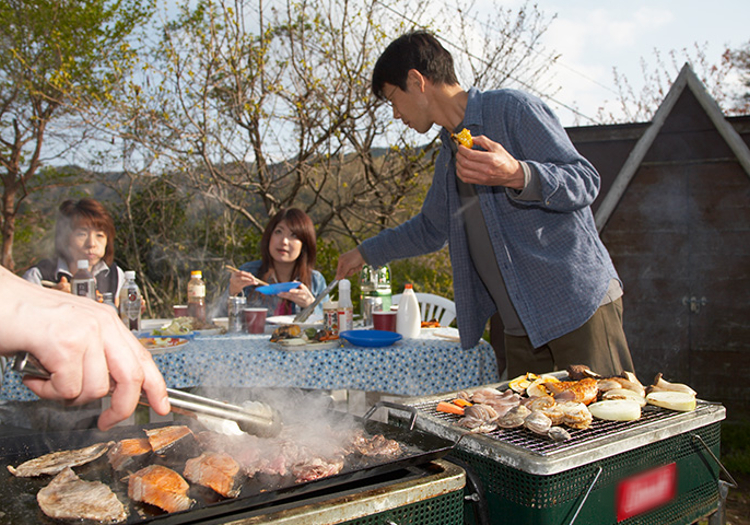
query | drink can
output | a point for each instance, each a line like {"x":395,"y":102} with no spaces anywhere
{"x":235,"y":305}
{"x":369,"y":305}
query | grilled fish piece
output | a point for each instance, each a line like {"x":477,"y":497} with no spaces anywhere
{"x":57,"y":461}
{"x":215,"y":470}
{"x":71,"y":498}
{"x":175,"y":439}
{"x":128,"y":453}
{"x":160,"y":486}
{"x":583,"y":391}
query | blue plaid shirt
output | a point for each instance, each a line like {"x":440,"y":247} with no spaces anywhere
{"x":555,"y":267}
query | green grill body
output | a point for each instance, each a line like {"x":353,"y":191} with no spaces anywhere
{"x":516,"y":497}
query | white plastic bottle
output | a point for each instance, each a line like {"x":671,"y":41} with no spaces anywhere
{"x":345,"y":308}
{"x":83,"y":283}
{"x":409,"y":317}
{"x":130,"y":302}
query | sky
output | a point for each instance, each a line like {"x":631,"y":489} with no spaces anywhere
{"x":593,"y":37}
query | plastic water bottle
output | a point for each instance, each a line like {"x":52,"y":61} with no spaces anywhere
{"x":409,"y":317}
{"x":83,"y":283}
{"x":130,"y":302}
{"x":345,"y":308}
{"x":196,"y":294}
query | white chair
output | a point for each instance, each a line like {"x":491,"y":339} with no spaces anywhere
{"x":433,"y":307}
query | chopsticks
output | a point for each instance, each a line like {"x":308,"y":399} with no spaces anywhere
{"x":48,"y":284}
{"x":232,"y":269}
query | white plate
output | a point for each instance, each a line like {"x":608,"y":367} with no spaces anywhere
{"x":314,"y":321}
{"x":447,"y":333}
{"x":293,"y":344}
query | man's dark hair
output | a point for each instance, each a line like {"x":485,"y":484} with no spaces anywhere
{"x":418,"y":50}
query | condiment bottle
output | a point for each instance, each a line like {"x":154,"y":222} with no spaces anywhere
{"x":83,"y":283}
{"x":196,"y":295}
{"x":345,"y":308}
{"x":331,"y":317}
{"x":409,"y":317}
{"x":130,"y":302}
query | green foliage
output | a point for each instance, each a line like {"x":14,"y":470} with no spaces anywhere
{"x":735,"y":446}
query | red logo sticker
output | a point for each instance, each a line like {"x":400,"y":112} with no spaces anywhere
{"x":646,"y":491}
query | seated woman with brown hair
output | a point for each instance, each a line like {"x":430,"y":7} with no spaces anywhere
{"x":288,"y":250}
{"x":84,"y":230}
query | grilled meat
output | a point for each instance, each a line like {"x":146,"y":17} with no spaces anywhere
{"x":57,"y":461}
{"x":129,"y":454}
{"x":583,"y":391}
{"x":69,"y":497}
{"x":215,"y":470}
{"x":160,"y":486}
{"x":173,"y":440}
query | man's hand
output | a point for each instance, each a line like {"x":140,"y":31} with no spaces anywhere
{"x":492,"y":167}
{"x":349,"y":264}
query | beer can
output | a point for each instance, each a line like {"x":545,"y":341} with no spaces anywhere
{"x":235,"y":304}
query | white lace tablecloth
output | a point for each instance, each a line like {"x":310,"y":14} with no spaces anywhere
{"x":411,"y":367}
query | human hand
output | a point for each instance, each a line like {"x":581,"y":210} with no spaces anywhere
{"x":63,"y":285}
{"x":492,"y":167}
{"x":349,"y":264}
{"x":83,"y":344}
{"x":301,"y":296}
{"x":239,"y":280}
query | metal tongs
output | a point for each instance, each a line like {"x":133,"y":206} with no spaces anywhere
{"x":259,"y":419}
{"x":305,"y":313}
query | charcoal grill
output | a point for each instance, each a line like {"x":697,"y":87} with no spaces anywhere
{"x":585,"y":480}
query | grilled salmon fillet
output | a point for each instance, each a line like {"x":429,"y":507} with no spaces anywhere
{"x":176,"y":439}
{"x":215,"y":470}
{"x":128,"y":452}
{"x":160,"y":486}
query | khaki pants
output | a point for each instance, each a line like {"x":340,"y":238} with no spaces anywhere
{"x":599,"y":344}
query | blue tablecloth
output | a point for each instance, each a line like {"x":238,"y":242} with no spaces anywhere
{"x":411,"y":367}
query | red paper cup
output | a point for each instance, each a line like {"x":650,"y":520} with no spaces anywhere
{"x":180,"y":310}
{"x":255,"y":320}
{"x":384,"y":320}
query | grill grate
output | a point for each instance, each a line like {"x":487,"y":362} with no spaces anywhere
{"x":545,"y":447}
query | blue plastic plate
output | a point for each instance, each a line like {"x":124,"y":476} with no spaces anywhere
{"x":273,"y":289}
{"x":371,"y":338}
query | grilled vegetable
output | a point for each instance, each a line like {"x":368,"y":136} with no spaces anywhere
{"x":463,"y":138}
{"x":450,"y":408}
{"x":679,"y":401}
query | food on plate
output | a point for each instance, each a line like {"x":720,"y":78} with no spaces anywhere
{"x":286,"y":331}
{"x":463,"y":138}
{"x":616,"y":410}
{"x":129,"y":452}
{"x":155,"y":343}
{"x":679,"y":401}
{"x":184,"y":326}
{"x":173,"y":439}
{"x":662,"y":385}
{"x":293,"y":335}
{"x":160,"y":486}
{"x":68,"y":497}
{"x":434,"y":323}
{"x":215,"y":470}
{"x":55,"y":462}
{"x":583,"y":391}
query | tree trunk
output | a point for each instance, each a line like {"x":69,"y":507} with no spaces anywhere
{"x":8,"y":227}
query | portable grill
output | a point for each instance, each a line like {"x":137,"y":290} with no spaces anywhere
{"x":661,"y":469}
